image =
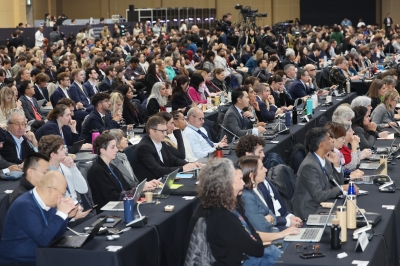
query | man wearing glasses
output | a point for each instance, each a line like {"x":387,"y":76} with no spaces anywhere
{"x":197,"y":136}
{"x":312,"y":71}
{"x":100,"y":117}
{"x":19,"y":142}
{"x":152,"y":159}
{"x":35,"y":219}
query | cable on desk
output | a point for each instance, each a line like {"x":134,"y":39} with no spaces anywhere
{"x":387,"y":249}
{"x":158,"y":243}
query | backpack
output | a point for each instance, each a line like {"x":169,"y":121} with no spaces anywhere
{"x":295,"y":156}
{"x":283,"y":178}
{"x":199,"y":251}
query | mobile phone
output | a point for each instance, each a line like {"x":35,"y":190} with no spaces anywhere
{"x":79,"y":202}
{"x":91,"y":208}
{"x":312,"y":255}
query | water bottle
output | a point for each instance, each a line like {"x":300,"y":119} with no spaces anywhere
{"x":336,"y":243}
{"x":222,"y":98}
{"x":309,"y":104}
{"x":95,"y":134}
{"x":314,"y":99}
{"x":229,"y":96}
{"x":287,"y":119}
{"x":294,"y":116}
{"x":129,"y":212}
{"x":325,"y":59}
{"x":66,"y":150}
{"x":347,"y":86}
{"x":351,"y":190}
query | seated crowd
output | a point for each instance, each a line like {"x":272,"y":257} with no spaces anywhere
{"x":57,"y":94}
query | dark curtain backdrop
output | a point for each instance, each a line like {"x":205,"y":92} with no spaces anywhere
{"x":328,"y":12}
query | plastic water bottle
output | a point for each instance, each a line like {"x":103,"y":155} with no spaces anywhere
{"x":314,"y":98}
{"x":309,"y":104}
{"x":347,"y":86}
{"x":287,"y":119}
{"x":66,"y":150}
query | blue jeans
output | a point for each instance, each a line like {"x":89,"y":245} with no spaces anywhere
{"x":272,"y":159}
{"x":271,"y":254}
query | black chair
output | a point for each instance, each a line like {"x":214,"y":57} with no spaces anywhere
{"x":3,"y":212}
{"x":130,"y":152}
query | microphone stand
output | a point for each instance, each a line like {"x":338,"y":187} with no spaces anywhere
{"x":229,"y":131}
{"x":366,"y":228}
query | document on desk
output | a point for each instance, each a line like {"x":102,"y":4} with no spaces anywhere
{"x":390,"y":136}
{"x":184,"y":175}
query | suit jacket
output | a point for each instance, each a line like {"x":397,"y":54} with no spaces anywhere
{"x":9,"y":151}
{"x":268,"y":115}
{"x":103,"y":184}
{"x":78,"y":95}
{"x":256,"y":211}
{"x":313,"y":58}
{"x":51,"y":128}
{"x":105,"y":85}
{"x":51,"y":74}
{"x":28,"y":109}
{"x":41,"y":94}
{"x":57,"y":95}
{"x":233,"y":122}
{"x":367,"y":138}
{"x":54,"y":37}
{"x":297,"y":89}
{"x":89,"y":89}
{"x":148,"y":164}
{"x":313,"y":187}
{"x":94,"y":121}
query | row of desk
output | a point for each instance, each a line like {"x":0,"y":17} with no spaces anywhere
{"x":161,"y":242}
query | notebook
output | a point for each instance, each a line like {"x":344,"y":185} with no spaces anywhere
{"x":75,"y":241}
{"x":310,"y":234}
{"x":118,"y":206}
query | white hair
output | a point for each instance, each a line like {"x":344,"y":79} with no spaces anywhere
{"x":290,"y":52}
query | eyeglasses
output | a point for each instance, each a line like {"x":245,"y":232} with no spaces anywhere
{"x":165,"y":131}
{"x":312,"y":69}
{"x":19,"y":125}
{"x":62,"y":194}
{"x":306,"y":249}
{"x":200,"y":118}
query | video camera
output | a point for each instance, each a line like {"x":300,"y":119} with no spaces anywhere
{"x":281,"y":27}
{"x":123,"y":28}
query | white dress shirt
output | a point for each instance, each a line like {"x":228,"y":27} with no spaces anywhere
{"x":199,"y":145}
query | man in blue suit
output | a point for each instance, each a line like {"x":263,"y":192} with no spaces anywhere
{"x":90,"y":86}
{"x":62,"y":90}
{"x":264,"y":94}
{"x":77,"y":92}
{"x":300,"y":87}
{"x":252,"y":145}
{"x":100,"y":117}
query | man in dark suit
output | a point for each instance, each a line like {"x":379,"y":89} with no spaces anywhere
{"x":299,"y":88}
{"x":105,"y":85}
{"x":5,"y":166}
{"x":262,"y":71}
{"x":54,"y":35}
{"x":90,"y":86}
{"x":254,"y":146}
{"x":50,"y":70}
{"x":237,"y":121}
{"x":77,"y":92}
{"x":314,"y":55}
{"x":40,"y":88}
{"x":18,"y":144}
{"x":29,"y":104}
{"x":97,"y":66}
{"x":320,"y":165}
{"x":264,"y":94}
{"x":62,"y":90}
{"x":388,"y":22}
{"x":151,"y":157}
{"x":99,"y":118}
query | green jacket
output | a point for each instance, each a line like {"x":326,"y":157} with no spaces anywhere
{"x":338,"y":36}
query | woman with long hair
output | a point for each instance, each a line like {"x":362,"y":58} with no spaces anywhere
{"x":208,"y":62}
{"x":383,"y":114}
{"x":8,"y":104}
{"x":218,"y":82}
{"x":376,"y":92}
{"x":116,"y":104}
{"x":246,"y":53}
{"x":131,"y":114}
{"x":251,"y":64}
{"x":161,"y":69}
{"x":196,"y":82}
{"x":180,"y":99}
{"x":157,"y":100}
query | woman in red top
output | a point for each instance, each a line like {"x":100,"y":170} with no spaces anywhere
{"x":196,"y":82}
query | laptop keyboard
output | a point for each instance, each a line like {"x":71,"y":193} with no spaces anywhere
{"x":119,"y":206}
{"x":72,"y":241}
{"x":310,"y":233}
{"x":322,"y":219}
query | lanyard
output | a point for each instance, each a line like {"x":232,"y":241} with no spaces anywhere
{"x":19,"y":149}
{"x":40,"y":208}
{"x":391,"y":116}
{"x":116,"y":177}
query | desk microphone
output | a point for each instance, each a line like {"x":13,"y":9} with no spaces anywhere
{"x":312,"y":60}
{"x":229,"y":131}
{"x":362,"y":229}
{"x":138,"y":222}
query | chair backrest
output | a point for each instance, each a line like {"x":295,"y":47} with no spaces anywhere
{"x":87,"y":198}
{"x":3,"y":211}
{"x":84,"y":120}
{"x":283,"y":178}
{"x":51,"y":88}
{"x":130,"y":152}
{"x":199,"y":251}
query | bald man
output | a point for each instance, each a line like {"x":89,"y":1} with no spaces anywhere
{"x":312,"y":71}
{"x":195,"y":36}
{"x":39,"y":37}
{"x":35,"y":219}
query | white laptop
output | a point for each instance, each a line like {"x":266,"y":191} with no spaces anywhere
{"x":319,"y":219}
{"x":309,"y":234}
{"x":118,"y":206}
{"x":369,"y":166}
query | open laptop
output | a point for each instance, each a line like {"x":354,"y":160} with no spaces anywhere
{"x":369,"y":166}
{"x":164,"y":191}
{"x":41,"y":102}
{"x":75,"y":241}
{"x":369,"y":179}
{"x":310,"y":234}
{"x":76,"y":147}
{"x":118,"y":206}
{"x":320,"y":219}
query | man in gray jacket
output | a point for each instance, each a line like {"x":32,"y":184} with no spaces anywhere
{"x":320,"y":165}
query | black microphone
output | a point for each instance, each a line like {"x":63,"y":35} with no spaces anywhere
{"x":229,"y":131}
{"x":362,"y":229}
{"x":312,"y":60}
